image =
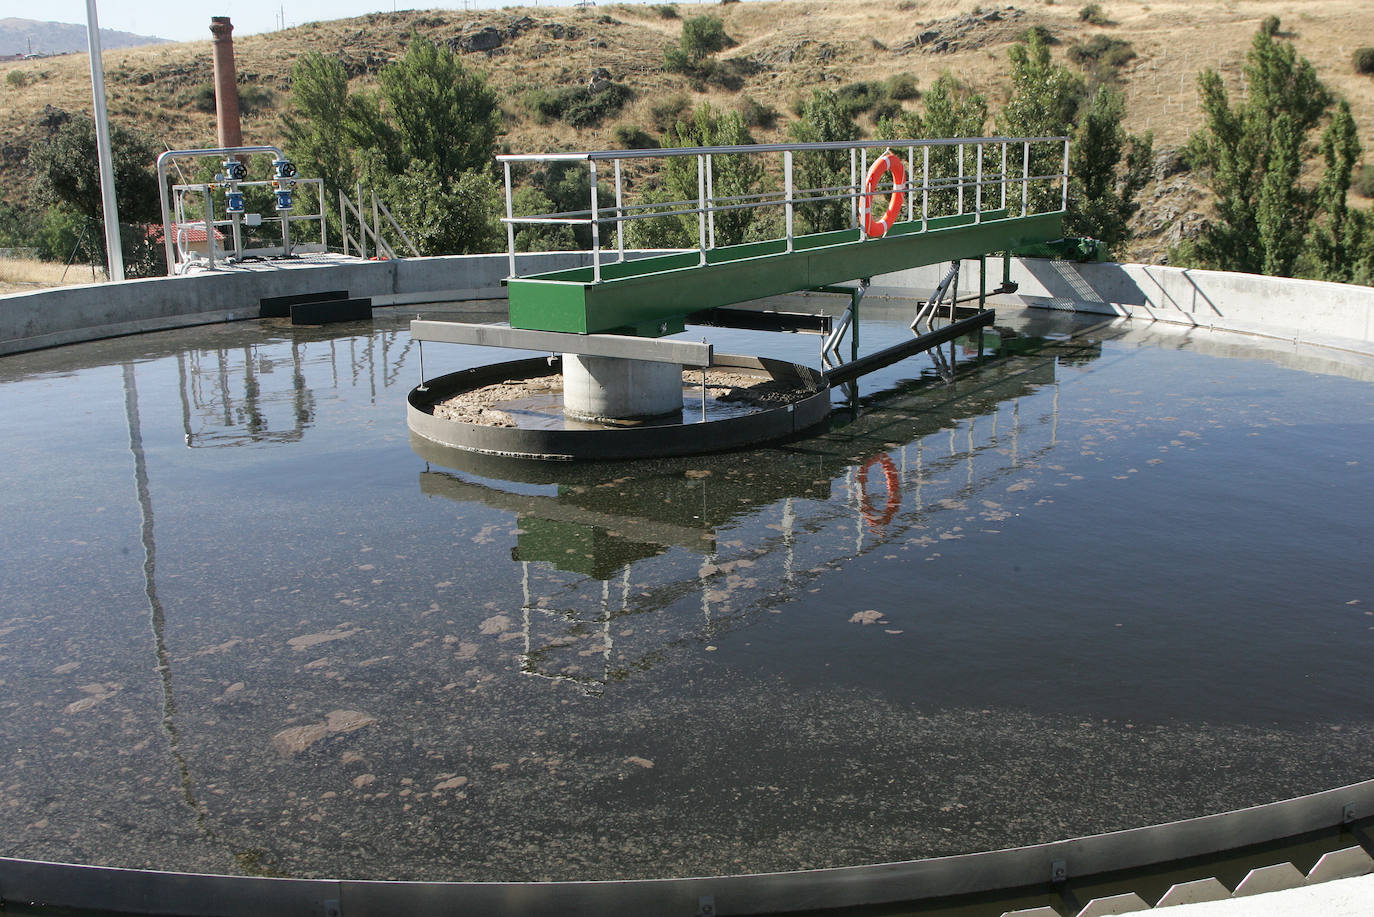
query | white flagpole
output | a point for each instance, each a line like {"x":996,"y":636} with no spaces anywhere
{"x":102,"y":145}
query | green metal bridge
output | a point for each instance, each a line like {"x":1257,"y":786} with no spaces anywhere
{"x":960,"y":199}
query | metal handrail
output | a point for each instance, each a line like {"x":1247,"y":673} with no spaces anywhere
{"x":606,"y":155}
{"x":379,"y":209}
{"x":919,"y":181}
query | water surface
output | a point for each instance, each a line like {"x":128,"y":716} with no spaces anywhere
{"x":1109,"y":578}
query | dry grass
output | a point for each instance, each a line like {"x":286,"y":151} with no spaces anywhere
{"x":806,"y":43}
{"x":802,"y":44}
{"x":19,"y":275}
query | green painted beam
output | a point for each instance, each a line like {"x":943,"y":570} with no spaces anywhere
{"x":650,"y":296}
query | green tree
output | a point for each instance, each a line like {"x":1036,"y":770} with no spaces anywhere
{"x":1103,"y":187}
{"x":567,"y":187}
{"x":430,"y":130}
{"x":703,"y":36}
{"x":1251,"y":155}
{"x":318,"y":126}
{"x":461,"y":219}
{"x":1044,"y":102}
{"x":1341,"y":245}
{"x":539,"y":237}
{"x":58,"y":233}
{"x":951,"y":110}
{"x":731,"y":176}
{"x":443,"y":114}
{"x":823,"y":120}
{"x":18,"y":225}
{"x":68,"y":174}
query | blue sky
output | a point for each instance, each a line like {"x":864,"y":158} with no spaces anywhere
{"x":190,"y":20}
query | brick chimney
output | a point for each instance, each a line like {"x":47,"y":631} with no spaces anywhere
{"x":226,"y":83}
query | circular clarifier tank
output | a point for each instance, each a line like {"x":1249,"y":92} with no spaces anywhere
{"x":1105,"y":577}
{"x":538,"y":409}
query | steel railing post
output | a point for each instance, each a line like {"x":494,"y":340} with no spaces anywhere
{"x":701,"y":206}
{"x":978,"y":187}
{"x":1064,"y":179}
{"x":1025,"y":178}
{"x":910,"y":173}
{"x":510,"y":227}
{"x":865,"y":201}
{"x":789,"y":189}
{"x":961,"y":177}
{"x":377,"y":223}
{"x":925,"y":187}
{"x":596,"y":226}
{"x":854,"y":186}
{"x":1004,"y":176}
{"x":209,"y":227}
{"x":619,"y":213}
{"x":343,"y":223}
{"x":711,"y":204}
{"x":362,"y":224}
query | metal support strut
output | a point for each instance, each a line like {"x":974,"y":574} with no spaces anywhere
{"x":830,"y":349}
{"x":948,"y":287}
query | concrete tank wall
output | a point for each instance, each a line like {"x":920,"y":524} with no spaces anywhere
{"x":1307,"y":311}
{"x":66,"y":315}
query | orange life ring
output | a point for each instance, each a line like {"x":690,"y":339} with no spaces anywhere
{"x":888,"y":162}
{"x":875,"y":519}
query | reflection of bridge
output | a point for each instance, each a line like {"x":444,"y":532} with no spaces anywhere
{"x":607,"y":542}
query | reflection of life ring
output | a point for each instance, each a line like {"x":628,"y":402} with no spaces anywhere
{"x":888,"y":162}
{"x":894,"y":492}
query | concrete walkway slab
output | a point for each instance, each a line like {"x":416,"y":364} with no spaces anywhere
{"x":1341,"y":898}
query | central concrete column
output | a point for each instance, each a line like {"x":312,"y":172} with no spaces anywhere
{"x":611,"y":389}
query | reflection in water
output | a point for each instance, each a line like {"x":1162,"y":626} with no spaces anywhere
{"x":157,"y":619}
{"x":215,"y":413}
{"x":603,"y":521}
{"x":231,"y":396}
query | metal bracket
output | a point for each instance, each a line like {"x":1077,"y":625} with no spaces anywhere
{"x":948,"y":287}
{"x":1348,"y":814}
{"x":706,"y":906}
{"x":1059,"y":871}
{"x":856,"y":295}
{"x":332,"y":908}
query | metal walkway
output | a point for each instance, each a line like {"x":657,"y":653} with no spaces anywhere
{"x":964,"y":198}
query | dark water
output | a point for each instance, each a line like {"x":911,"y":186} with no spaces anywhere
{"x":1109,"y":578}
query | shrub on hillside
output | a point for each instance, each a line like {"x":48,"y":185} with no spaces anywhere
{"x":577,"y":106}
{"x":667,"y":111}
{"x":1364,"y":60}
{"x":703,"y":36}
{"x":1270,"y":25}
{"x":902,"y":86}
{"x":1101,"y":57}
{"x":755,"y":113}
{"x":857,"y":98}
{"x":630,"y":137}
{"x":1045,"y":35}
{"x":1092,"y":14}
{"x":665,"y":11}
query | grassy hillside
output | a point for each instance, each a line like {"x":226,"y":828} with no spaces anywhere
{"x":781,"y":50}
